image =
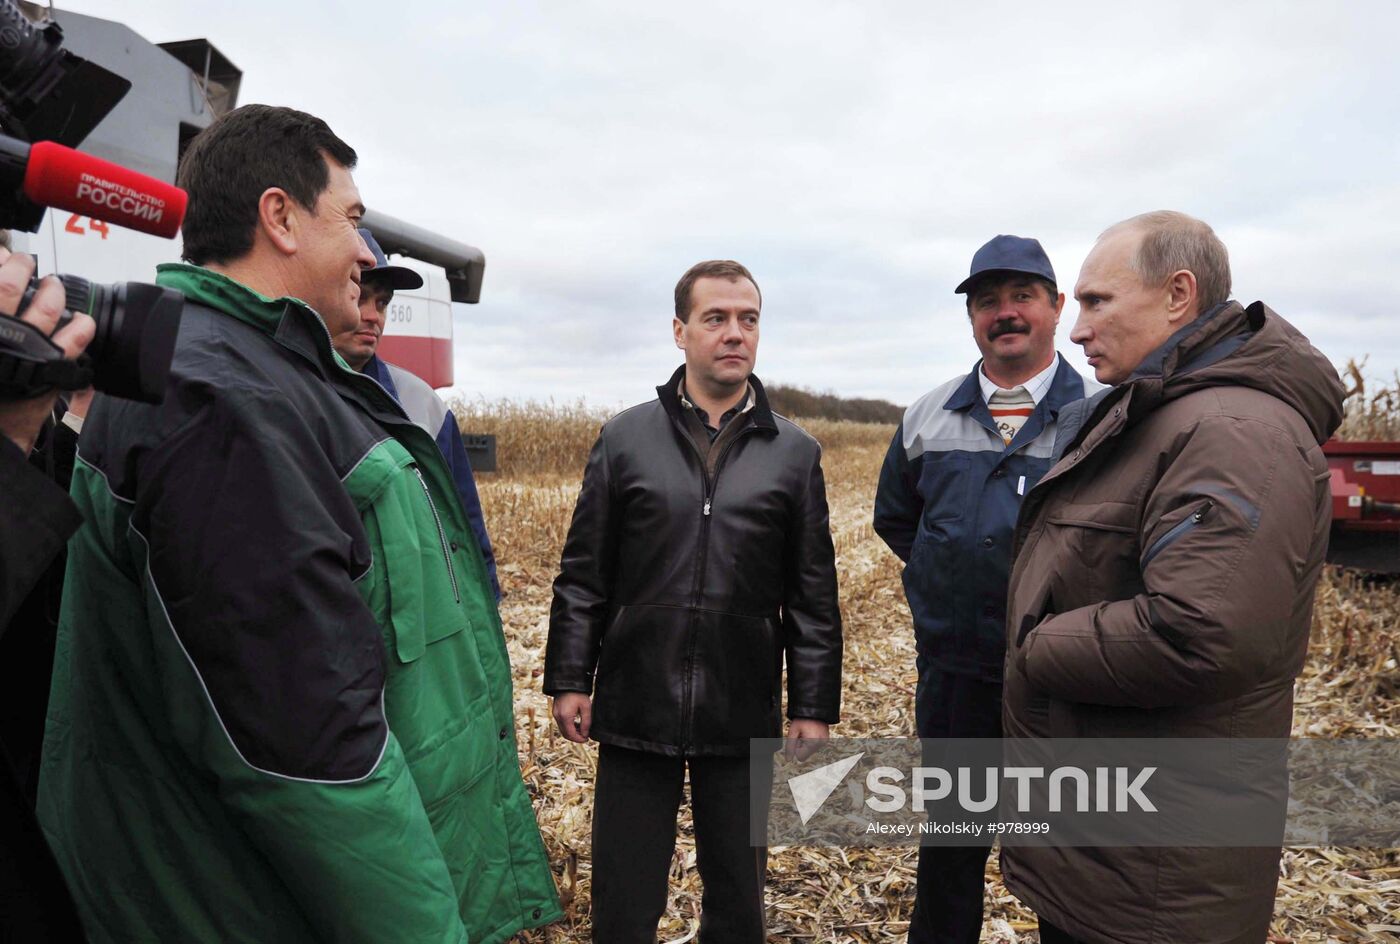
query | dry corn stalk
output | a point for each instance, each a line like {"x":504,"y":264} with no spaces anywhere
{"x":1349,"y":688}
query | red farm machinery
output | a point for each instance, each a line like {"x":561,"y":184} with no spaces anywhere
{"x":1365,"y":505}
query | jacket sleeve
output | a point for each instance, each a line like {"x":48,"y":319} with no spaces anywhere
{"x":272,"y":671}
{"x":1228,"y":561}
{"x":36,"y":519}
{"x":897,"y":502}
{"x":449,"y":440}
{"x":584,"y":586}
{"x":811,"y":614}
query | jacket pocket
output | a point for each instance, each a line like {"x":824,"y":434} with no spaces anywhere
{"x":1179,"y":530}
{"x":637,"y":690}
{"x":610,"y":654}
{"x":1109,"y":516}
{"x":413,"y":589}
{"x":1099,"y":545}
{"x":735,"y":679}
{"x":932,"y":586}
{"x":944,"y":485}
{"x":1083,"y":720}
{"x":454,"y":760}
{"x":1042,"y":607}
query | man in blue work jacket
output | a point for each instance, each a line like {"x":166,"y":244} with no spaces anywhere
{"x":951,"y":486}
{"x":422,"y":404}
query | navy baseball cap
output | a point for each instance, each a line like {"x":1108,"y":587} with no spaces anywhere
{"x":397,"y":276}
{"x":1009,"y":254}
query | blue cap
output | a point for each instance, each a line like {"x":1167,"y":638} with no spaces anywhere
{"x":1009,"y":254}
{"x":397,"y":276}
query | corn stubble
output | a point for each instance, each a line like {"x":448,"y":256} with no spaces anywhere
{"x":1349,"y":688}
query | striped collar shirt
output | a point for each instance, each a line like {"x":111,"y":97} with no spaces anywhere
{"x":1010,"y":409}
{"x":1037,"y":386}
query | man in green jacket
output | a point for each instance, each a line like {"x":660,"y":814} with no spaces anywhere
{"x":281,"y":706}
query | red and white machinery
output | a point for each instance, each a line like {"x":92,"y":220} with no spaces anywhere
{"x":177,"y":89}
{"x":1365,"y":505}
{"x":418,"y":323}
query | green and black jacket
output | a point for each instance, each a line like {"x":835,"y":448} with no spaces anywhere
{"x":281,"y":705}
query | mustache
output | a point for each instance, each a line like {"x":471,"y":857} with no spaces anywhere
{"x":1008,"y":327}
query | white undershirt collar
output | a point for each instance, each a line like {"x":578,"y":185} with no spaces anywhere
{"x":1037,"y":386}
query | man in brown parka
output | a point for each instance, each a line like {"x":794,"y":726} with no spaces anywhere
{"x":1165,"y":569}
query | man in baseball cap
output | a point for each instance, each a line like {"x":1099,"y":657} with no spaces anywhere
{"x":949,"y":493}
{"x":377,"y":287}
{"x":422,"y":404}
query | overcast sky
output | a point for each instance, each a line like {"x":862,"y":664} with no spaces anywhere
{"x":853,"y":155}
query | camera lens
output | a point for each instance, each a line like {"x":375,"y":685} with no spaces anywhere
{"x":143,"y":325}
{"x":135,"y":340}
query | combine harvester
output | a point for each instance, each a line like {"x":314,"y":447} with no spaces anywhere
{"x":1365,"y":505}
{"x":178,"y":89}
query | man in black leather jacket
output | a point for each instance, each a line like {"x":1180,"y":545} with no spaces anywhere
{"x":699,"y":558}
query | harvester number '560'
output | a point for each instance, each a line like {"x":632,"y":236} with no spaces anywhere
{"x":400,"y":314}
{"x":74,"y":225}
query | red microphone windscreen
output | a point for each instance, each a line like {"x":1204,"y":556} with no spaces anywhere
{"x":61,"y":177}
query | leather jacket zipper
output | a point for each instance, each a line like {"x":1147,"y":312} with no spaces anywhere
{"x":1177,"y":531}
{"x":695,"y":589}
{"x":687,"y":703}
{"x":710,"y":482}
{"x":442,"y":535}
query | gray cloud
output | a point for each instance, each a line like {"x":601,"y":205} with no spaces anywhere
{"x":853,"y":155}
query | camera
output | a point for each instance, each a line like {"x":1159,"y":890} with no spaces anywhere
{"x":130,"y":353}
{"x":45,"y":91}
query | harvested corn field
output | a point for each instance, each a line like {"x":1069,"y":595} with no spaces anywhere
{"x":1349,"y":688}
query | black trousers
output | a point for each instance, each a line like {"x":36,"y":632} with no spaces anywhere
{"x":636,"y":798}
{"x":948,"y":896}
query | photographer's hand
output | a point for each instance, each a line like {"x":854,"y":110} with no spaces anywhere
{"x":21,"y":420}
